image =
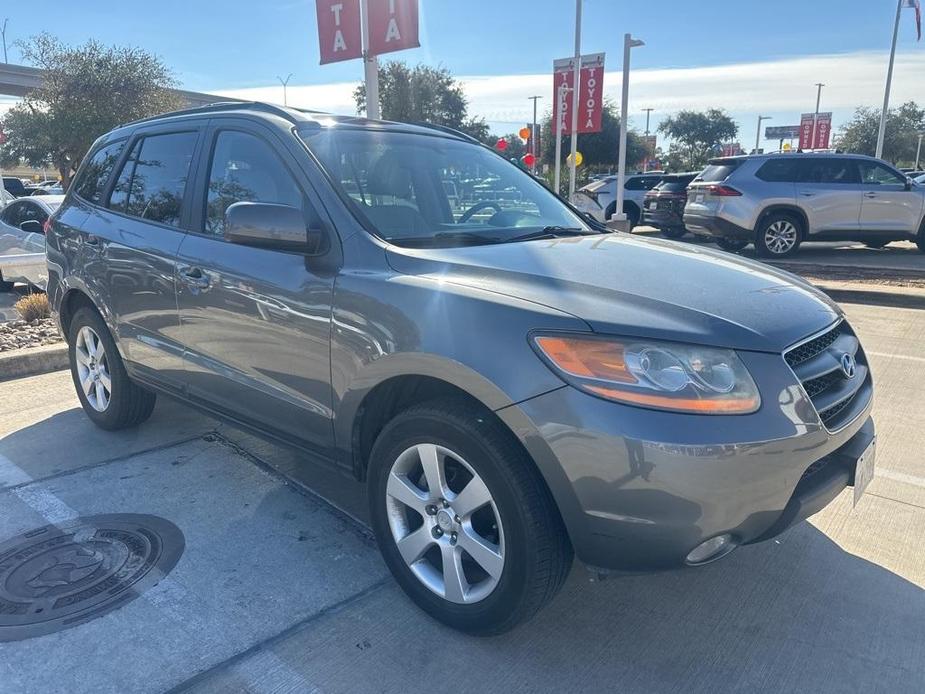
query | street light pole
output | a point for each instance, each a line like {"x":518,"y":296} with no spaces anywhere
{"x":285,"y":83}
{"x":758,"y":134}
{"x":918,"y":151}
{"x":648,"y":113}
{"x":576,"y":88}
{"x":819,"y":86}
{"x":628,"y":43}
{"x":533,"y":134}
{"x":889,"y":79}
{"x":370,"y":65}
{"x":3,"y":32}
{"x":645,"y":164}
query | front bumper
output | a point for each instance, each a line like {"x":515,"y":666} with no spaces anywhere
{"x":30,"y":268}
{"x":639,"y":489}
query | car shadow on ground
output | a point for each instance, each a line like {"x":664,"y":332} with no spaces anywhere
{"x":797,"y":613}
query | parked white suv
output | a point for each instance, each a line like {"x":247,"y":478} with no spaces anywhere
{"x":600,"y":197}
{"x":778,"y":201}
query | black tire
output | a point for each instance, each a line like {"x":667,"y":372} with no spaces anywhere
{"x":673,"y":232}
{"x":784,"y":221}
{"x":632,"y":214}
{"x":537,"y":553}
{"x":876,"y":244}
{"x":129,"y":404}
{"x":920,"y":238}
{"x":610,"y":211}
{"x":731,"y":245}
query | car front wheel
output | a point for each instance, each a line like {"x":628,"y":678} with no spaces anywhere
{"x":731,"y":245}
{"x":109,"y":398}
{"x":463,"y":519}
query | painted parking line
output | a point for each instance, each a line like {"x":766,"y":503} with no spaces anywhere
{"x":887,"y":355}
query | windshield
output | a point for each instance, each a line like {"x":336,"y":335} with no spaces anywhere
{"x":420,"y":190}
{"x":718,"y":171}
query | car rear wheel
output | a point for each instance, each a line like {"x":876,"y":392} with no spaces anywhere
{"x":5,"y":286}
{"x":632,"y":213}
{"x":464,"y":521}
{"x":920,"y":239}
{"x":731,"y":245}
{"x":778,"y":236}
{"x":109,"y":398}
{"x":674,"y":232}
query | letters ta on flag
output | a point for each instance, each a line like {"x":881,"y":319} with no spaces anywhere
{"x":393,"y":25}
{"x":339,"y":30}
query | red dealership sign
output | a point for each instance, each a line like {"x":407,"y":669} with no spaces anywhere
{"x":823,"y":130}
{"x":806,"y":131}
{"x":590,"y":93}
{"x":339,"y":30}
{"x":393,"y":25}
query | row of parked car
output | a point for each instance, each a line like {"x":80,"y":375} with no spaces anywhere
{"x":22,"y":237}
{"x":774,"y":201}
{"x":23,"y":187}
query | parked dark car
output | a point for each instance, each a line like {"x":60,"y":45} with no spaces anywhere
{"x":663,"y":206}
{"x":512,"y":382}
{"x":15,"y":186}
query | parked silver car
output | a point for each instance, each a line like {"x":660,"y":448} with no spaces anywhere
{"x":513,"y":383}
{"x":599,"y":198}
{"x":22,"y":241}
{"x":778,"y":201}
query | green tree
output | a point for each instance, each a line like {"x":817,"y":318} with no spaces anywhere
{"x":599,"y":151}
{"x":422,"y":94}
{"x":87,"y":91}
{"x":903,"y":124}
{"x":696,"y":133}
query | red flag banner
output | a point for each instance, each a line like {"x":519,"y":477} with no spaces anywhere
{"x":563,"y":72}
{"x":339,"y":30}
{"x":806,"y":131}
{"x":823,"y":131}
{"x":393,"y":25}
{"x":591,"y":94}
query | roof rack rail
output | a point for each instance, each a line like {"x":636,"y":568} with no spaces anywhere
{"x":280,"y":111}
{"x":449,"y":131}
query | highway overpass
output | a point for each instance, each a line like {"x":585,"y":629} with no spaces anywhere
{"x":18,"y":80}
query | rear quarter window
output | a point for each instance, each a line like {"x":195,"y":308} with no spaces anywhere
{"x":778,"y":171}
{"x":92,"y":180}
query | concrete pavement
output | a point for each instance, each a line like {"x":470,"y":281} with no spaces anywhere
{"x":279,"y":591}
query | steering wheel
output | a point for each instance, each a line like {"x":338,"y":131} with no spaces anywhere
{"x":478,"y":207}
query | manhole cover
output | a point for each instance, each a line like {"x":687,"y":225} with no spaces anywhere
{"x":56,"y":577}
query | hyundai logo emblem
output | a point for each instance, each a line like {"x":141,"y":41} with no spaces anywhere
{"x":848,"y":365}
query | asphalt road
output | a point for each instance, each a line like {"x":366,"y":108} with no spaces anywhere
{"x":279,"y":590}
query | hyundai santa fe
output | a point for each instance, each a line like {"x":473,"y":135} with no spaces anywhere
{"x":514,"y":384}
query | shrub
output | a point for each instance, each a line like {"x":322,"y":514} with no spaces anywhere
{"x":33,"y":307}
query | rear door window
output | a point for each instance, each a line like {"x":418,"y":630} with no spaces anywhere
{"x":152,"y":182}
{"x":92,"y":180}
{"x":875,"y":173}
{"x":832,"y":171}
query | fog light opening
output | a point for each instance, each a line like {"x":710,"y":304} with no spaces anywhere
{"x":711,"y":550}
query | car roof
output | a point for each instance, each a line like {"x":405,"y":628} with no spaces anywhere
{"x":297,"y":117}
{"x":789,"y":155}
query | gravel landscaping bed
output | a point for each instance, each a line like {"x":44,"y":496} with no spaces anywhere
{"x":18,"y":334}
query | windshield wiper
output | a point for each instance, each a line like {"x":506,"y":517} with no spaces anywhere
{"x":550,"y":232}
{"x":469,"y":238}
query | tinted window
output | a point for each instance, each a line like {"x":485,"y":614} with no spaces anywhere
{"x":835,"y":171}
{"x":153,"y":179}
{"x":641,"y":182}
{"x":778,"y":171}
{"x":674,"y":184}
{"x":12,"y":214}
{"x":19,"y":212}
{"x":96,"y":173}
{"x":873,"y":173}
{"x":245,"y":168}
{"x":720,"y":171}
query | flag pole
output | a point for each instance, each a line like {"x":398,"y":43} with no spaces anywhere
{"x":889,"y":79}
{"x":576,"y":86}
{"x":370,"y":66}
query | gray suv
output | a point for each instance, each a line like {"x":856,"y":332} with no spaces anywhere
{"x":513,"y":384}
{"x":778,"y":201}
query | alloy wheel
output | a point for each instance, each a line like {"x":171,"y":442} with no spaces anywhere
{"x":445,"y":523}
{"x":93,"y":369}
{"x":780,"y":236}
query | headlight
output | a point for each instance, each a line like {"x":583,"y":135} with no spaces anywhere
{"x":651,"y":373}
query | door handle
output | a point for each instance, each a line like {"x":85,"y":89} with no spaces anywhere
{"x":870,"y":195}
{"x":808,"y":195}
{"x":195,"y":278}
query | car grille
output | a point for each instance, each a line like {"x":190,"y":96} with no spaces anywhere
{"x":817,"y":363}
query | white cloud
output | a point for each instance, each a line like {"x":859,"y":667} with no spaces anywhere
{"x":783,"y":88}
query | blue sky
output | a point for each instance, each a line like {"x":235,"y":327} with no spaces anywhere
{"x":236,"y":45}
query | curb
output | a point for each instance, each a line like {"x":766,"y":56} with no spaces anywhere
{"x":31,"y":361}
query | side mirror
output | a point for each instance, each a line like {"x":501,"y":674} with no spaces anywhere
{"x":909,"y":183}
{"x":32,"y":226}
{"x":272,"y":226}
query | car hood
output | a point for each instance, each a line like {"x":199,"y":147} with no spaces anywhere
{"x":636,"y":287}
